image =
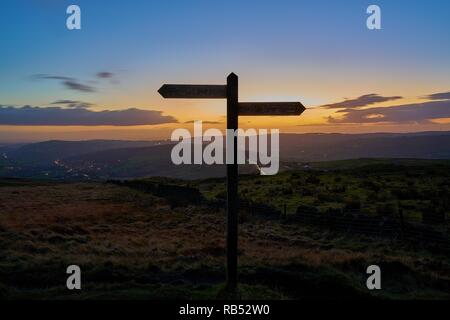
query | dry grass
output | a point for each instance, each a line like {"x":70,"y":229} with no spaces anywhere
{"x":132,"y":244}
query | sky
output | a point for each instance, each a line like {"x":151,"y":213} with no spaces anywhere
{"x":102,"y":81}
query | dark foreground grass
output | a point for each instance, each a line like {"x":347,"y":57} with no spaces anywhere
{"x":132,"y":244}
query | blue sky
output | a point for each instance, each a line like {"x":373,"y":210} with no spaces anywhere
{"x":315,"y":51}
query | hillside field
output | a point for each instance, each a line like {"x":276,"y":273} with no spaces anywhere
{"x":300,"y":235}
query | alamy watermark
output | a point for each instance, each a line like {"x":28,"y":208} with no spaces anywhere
{"x":263,"y":148}
{"x":74,"y":280}
{"x":374,"y":280}
{"x":374,"y":20}
{"x":73,"y":22}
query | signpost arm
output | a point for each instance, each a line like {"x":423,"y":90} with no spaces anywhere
{"x":232,"y":184}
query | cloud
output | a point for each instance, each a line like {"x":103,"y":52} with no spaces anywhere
{"x":73,"y":85}
{"x":204,"y":122}
{"x":57,"y":116}
{"x":361,"y":101}
{"x":439,"y":96}
{"x":408,"y":113}
{"x":105,"y":75}
{"x":68,"y":82}
{"x":73,"y":104}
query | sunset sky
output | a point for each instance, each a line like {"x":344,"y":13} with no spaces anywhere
{"x":321,"y":53}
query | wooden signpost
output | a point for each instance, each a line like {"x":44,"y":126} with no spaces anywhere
{"x":186,"y":91}
{"x":234,"y":110}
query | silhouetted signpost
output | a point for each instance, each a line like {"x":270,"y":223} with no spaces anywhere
{"x":234,"y":109}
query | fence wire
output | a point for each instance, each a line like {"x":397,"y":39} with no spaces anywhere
{"x":431,"y":233}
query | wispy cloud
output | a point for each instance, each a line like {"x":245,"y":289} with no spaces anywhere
{"x":68,"y":82}
{"x":361,"y":101}
{"x":73,"y":104}
{"x":407,"y":113}
{"x":439,"y":96}
{"x":57,"y":116}
{"x":105,"y":75}
{"x":204,"y":122}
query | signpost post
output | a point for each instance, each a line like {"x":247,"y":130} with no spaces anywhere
{"x":234,"y":110}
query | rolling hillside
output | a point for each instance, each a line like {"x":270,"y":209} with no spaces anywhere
{"x":99,"y":159}
{"x":161,"y":238}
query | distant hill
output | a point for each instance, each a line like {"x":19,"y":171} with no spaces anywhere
{"x":44,"y":153}
{"x":105,"y":159}
{"x":143,"y":162}
{"x":329,"y":147}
